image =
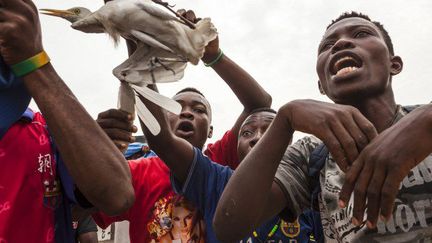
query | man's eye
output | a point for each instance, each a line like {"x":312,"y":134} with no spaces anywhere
{"x":361,"y":34}
{"x":246,"y":133}
{"x":326,"y":46}
{"x":199,"y":110}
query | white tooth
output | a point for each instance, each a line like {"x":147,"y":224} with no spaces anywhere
{"x":346,"y":70}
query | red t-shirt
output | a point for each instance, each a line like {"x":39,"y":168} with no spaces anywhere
{"x":224,"y":151}
{"x":158,"y":214}
{"x":28,"y":186}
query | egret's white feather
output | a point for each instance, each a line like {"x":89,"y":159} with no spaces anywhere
{"x":147,"y":117}
{"x":160,"y":100}
{"x":149,"y":40}
{"x":151,"y":8}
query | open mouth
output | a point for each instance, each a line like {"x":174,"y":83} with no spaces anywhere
{"x":345,"y":64}
{"x":185,"y":128}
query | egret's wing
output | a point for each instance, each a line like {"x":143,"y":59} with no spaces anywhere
{"x":139,"y":57}
{"x":126,"y":98}
{"x":166,"y":70}
{"x":151,"y":8}
{"x":160,"y":100}
{"x":149,"y":40}
{"x":147,"y":117}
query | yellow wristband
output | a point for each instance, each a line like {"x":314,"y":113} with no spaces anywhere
{"x":31,"y":64}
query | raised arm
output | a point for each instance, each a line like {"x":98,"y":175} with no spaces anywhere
{"x":96,"y":165}
{"x":176,"y":152}
{"x":252,"y":196}
{"x":244,"y":86}
{"x":247,"y":194}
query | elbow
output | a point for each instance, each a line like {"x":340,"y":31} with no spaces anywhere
{"x":267,"y":100}
{"x":117,"y":201}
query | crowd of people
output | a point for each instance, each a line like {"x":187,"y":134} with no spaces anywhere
{"x":363,"y":174}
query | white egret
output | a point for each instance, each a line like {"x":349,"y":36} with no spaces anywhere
{"x":164,"y":46}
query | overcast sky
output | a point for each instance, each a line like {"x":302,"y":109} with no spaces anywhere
{"x":274,"y":40}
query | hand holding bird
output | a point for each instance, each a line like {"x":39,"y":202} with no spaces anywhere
{"x":164,"y":46}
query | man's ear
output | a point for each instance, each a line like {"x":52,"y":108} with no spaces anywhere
{"x":210,"y":134}
{"x":396,"y":65}
{"x":321,"y":88}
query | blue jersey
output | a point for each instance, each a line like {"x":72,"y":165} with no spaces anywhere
{"x":204,"y":186}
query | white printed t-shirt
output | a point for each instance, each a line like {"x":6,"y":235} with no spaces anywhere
{"x":412,"y":215}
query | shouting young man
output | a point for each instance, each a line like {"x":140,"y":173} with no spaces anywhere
{"x":373,"y":148}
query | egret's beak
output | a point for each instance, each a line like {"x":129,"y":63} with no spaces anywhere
{"x":56,"y":12}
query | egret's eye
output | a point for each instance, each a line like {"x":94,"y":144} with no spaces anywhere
{"x":77,"y":11}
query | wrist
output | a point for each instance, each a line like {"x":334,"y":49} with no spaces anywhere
{"x":213,"y":58}
{"x":285,"y":114}
{"x":30,"y":64}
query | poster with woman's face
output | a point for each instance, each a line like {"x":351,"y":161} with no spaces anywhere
{"x":174,"y":219}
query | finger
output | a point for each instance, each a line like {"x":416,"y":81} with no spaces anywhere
{"x":389,"y":192}
{"x":120,"y":135}
{"x":121,"y":145}
{"x":374,"y":196}
{"x":6,"y":15}
{"x":181,"y":12}
{"x":9,"y":3}
{"x":117,"y":114}
{"x":360,"y":138}
{"x":110,"y":123}
{"x":190,"y":15}
{"x":365,"y":125}
{"x":347,"y":142}
{"x":360,"y":193}
{"x":350,"y":182}
{"x":31,"y":6}
{"x":335,"y":149}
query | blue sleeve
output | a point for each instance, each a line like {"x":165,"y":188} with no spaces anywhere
{"x":204,"y":184}
{"x":67,"y":182}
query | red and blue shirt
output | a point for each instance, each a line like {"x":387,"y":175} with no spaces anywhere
{"x":33,"y":204}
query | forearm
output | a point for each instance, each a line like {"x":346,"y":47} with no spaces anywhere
{"x":246,"y":197}
{"x":102,"y":175}
{"x":244,"y":86}
{"x":176,"y":152}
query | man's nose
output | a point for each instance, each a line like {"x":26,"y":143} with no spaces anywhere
{"x":255,"y":139}
{"x":186,"y":113}
{"x":342,"y":44}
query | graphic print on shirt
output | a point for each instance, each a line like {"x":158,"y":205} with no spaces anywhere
{"x":412,"y":214}
{"x":46,"y":167}
{"x":289,"y":229}
{"x":176,"y":220}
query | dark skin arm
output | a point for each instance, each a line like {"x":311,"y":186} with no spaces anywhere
{"x":377,"y":173}
{"x":101,"y":174}
{"x":89,"y":237}
{"x":180,"y":154}
{"x":251,"y":196}
{"x":245,"y":87}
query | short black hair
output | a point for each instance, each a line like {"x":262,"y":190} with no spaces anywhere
{"x":262,"y":109}
{"x":354,"y":14}
{"x":190,"y":89}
